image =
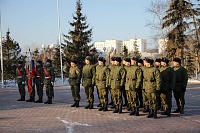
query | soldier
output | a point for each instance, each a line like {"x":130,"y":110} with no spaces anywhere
{"x":180,"y":85}
{"x":158,"y":63}
{"x":132,"y":84}
{"x":101,"y":80}
{"x":123,"y":90}
{"x":88,"y":80}
{"x":21,"y":78}
{"x":116,"y":81}
{"x":152,"y":81}
{"x":49,"y":78}
{"x":74,"y":81}
{"x":39,"y":80}
{"x":167,"y":85}
{"x":110,"y":66}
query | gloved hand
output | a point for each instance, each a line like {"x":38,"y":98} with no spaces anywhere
{"x":52,"y":83}
{"x":23,"y":83}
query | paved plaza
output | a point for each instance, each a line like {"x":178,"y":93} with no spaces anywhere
{"x":59,"y":117}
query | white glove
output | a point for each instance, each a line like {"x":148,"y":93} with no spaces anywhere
{"x":23,"y":83}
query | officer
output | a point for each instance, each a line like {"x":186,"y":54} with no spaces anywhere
{"x":132,"y":84}
{"x":21,"y":78}
{"x":74,"y":81}
{"x":101,"y":80}
{"x":116,"y":81}
{"x":180,"y":85}
{"x":49,"y":77}
{"x":39,"y":80}
{"x":167,"y":85}
{"x":110,"y":66}
{"x":152,"y":80}
{"x":88,"y":81}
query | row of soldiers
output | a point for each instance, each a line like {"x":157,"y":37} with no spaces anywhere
{"x":139,"y":81}
{"x":41,"y":75}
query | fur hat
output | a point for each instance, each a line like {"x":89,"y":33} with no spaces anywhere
{"x":112,"y":58}
{"x":140,"y":61}
{"x":118,"y":59}
{"x":177,"y":60}
{"x":49,"y":60}
{"x":39,"y":61}
{"x":74,"y":61}
{"x":164,"y":59}
{"x":102,"y":59}
{"x":88,"y":58}
{"x":150,"y":61}
{"x":157,"y":60}
{"x":134,"y":58}
{"x":127,"y":59}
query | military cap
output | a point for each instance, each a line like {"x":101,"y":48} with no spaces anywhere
{"x":127,"y":59}
{"x":20,"y":61}
{"x":140,"y":61}
{"x":74,"y":61}
{"x":48,"y":60}
{"x":157,"y":60}
{"x":177,"y":60}
{"x":164,"y":59}
{"x":39,"y":61}
{"x":150,"y":61}
{"x":118,"y":59}
{"x":102,"y":59}
{"x":134,"y":58}
{"x":112,"y":58}
{"x":88,"y":58}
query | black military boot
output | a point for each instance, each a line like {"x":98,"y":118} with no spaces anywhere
{"x":77,"y":103}
{"x":22,"y":98}
{"x":101,"y":108}
{"x":120,"y":108}
{"x":136,"y":111}
{"x":177,"y":110}
{"x":87,"y":107}
{"x":49,"y":101}
{"x":74,"y":105}
{"x":129,"y":107}
{"x":146,"y":109}
{"x":32,"y":99}
{"x":91,"y":106}
{"x":181,"y":110}
{"x":113,"y":106}
{"x":39,"y":100}
{"x":105,"y":107}
{"x":99,"y":105}
{"x":151,"y":113}
{"x":155,"y":114}
{"x":165,"y":112}
{"x":168,"y":112}
{"x":132,"y":111}
{"x":116,"y":109}
{"x":111,"y":103}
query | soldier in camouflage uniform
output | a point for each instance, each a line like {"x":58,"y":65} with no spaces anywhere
{"x":21,"y":78}
{"x":101,"y":80}
{"x":167,"y":85}
{"x":158,"y":63}
{"x":132,"y":84}
{"x":140,"y":65}
{"x":49,"y":77}
{"x":116,"y":81}
{"x":152,"y":82}
{"x":88,"y":81}
{"x":74,"y":81}
{"x":180,"y":85}
{"x":39,"y":80}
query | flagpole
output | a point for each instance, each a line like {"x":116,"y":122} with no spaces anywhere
{"x":2,"y":83}
{"x":59,"y":39}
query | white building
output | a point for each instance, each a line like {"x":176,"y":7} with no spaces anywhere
{"x":162,"y":45}
{"x":141,"y":43}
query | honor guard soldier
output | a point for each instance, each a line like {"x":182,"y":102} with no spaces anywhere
{"x":49,"y":78}
{"x":88,"y":80}
{"x":152,"y":80}
{"x":167,"y":85}
{"x":180,"y":85}
{"x":132,"y":84}
{"x":21,"y":78}
{"x":74,"y":81}
{"x":39,"y":80}
{"x":101,"y":80}
{"x":116,"y":81}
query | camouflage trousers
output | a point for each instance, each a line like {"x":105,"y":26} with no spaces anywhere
{"x":145,"y":98}
{"x":75,"y":89}
{"x":49,"y":90}
{"x":103,"y":95}
{"x":39,"y":89}
{"x":180,"y":98}
{"x":166,"y":99}
{"x":89,"y":91}
{"x":132,"y":97}
{"x":116,"y":96}
{"x":153,"y":100}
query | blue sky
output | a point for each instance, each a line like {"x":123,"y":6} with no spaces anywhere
{"x":35,"y":22}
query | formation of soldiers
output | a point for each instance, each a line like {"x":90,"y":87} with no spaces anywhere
{"x":132,"y":83}
{"x":140,"y":83}
{"x":43,"y":76}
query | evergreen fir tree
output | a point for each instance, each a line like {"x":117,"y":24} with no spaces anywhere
{"x":11,"y":55}
{"x":136,"y":52}
{"x":76,"y":42}
{"x":125,"y":52}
